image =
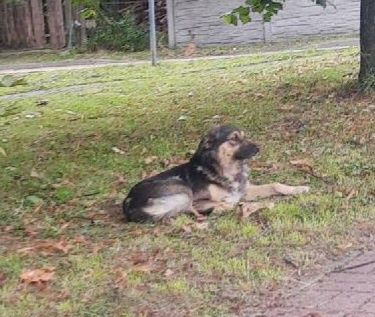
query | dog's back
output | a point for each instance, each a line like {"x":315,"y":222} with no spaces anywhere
{"x":160,"y":196}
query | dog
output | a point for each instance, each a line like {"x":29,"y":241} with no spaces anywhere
{"x":214,"y":179}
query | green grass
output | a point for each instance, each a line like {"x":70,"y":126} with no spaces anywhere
{"x":59,"y":175}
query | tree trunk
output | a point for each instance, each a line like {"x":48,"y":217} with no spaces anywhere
{"x":55,"y":20}
{"x":38,"y":22}
{"x":367,"y":40}
{"x":13,"y":40}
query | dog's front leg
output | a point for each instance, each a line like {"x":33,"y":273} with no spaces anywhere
{"x":254,"y":192}
{"x":248,"y":208}
{"x":210,"y":206}
{"x":197,"y":215}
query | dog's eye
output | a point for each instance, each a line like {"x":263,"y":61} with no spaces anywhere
{"x":234,"y":139}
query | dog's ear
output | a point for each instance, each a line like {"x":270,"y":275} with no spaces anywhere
{"x":206,"y":143}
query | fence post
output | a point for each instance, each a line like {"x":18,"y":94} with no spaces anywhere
{"x":151,"y":15}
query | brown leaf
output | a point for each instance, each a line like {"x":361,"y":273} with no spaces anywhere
{"x":143,"y":268}
{"x":2,"y":278}
{"x":64,"y":226}
{"x":2,"y":152}
{"x":302,"y":164}
{"x":345,"y":246}
{"x":147,"y":175}
{"x":168,"y":273}
{"x":31,"y":232}
{"x":38,"y":276}
{"x":47,"y":248}
{"x":201,"y":225}
{"x":35,"y":174}
{"x":263,"y":166}
{"x":120,"y":277}
{"x":81,"y":240}
{"x":353,"y":192}
{"x":187,"y":229}
{"x":150,"y":159}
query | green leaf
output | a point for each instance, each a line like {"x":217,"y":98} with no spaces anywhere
{"x":88,"y":14}
{"x":322,"y":3}
{"x":2,"y":152}
{"x":34,"y":200}
{"x":230,"y":18}
{"x":244,"y":14}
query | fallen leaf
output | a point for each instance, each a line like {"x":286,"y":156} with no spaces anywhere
{"x":42,"y":102}
{"x":117,"y":150}
{"x":148,"y":160}
{"x":143,"y":268}
{"x":81,"y":240}
{"x":38,"y":276}
{"x":169,"y":163}
{"x":35,"y":174}
{"x":352,"y":194}
{"x":64,"y":226}
{"x":30,"y":115}
{"x":345,"y":246}
{"x":263,"y":166}
{"x":313,"y":315}
{"x":34,"y":200}
{"x":47,"y":248}
{"x":182,"y":118}
{"x":2,"y":152}
{"x":168,"y":273}
{"x":187,"y":229}
{"x":302,"y":164}
{"x":2,"y":278}
{"x":201,"y":225}
{"x":31,"y":232}
{"x":120,"y":278}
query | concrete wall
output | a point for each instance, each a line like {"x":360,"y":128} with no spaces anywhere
{"x":300,"y":18}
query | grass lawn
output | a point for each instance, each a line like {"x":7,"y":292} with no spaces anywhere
{"x":73,"y":142}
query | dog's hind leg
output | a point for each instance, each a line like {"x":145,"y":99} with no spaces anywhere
{"x":159,"y":199}
{"x":254,"y":192}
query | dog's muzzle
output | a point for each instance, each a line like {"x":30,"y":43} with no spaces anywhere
{"x":246,"y":151}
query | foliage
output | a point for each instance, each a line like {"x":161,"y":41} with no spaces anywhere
{"x":267,"y":8}
{"x":121,"y":34}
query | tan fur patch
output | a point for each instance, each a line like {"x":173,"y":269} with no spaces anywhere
{"x":217,"y":193}
{"x":229,"y":167}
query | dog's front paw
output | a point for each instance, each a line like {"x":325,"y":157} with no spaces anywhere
{"x":300,"y":190}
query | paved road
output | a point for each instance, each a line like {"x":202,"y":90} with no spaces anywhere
{"x":95,"y":63}
{"x":346,"y":292}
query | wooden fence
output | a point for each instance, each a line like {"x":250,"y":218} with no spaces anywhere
{"x":32,"y":24}
{"x":55,"y":24}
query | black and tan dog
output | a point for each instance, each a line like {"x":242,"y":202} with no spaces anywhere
{"x":216,"y":177}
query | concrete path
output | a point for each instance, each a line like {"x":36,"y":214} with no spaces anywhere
{"x":347,"y":291}
{"x":95,"y":63}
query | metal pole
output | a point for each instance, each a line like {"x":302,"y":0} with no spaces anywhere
{"x":151,"y":15}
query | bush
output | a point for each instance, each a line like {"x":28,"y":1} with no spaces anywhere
{"x":122,"y":34}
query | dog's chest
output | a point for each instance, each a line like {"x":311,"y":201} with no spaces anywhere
{"x":234,"y":192}
{"x":238,"y":188}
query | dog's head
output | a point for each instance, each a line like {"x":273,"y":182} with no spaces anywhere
{"x":225,"y":145}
